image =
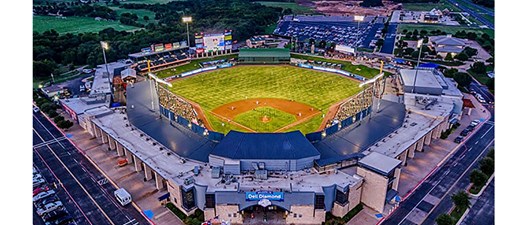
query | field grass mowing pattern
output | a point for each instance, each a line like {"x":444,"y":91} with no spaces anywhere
{"x":253,"y":119}
{"x":215,"y":88}
{"x":193,"y":65}
{"x":76,"y":25}
{"x":360,"y":70}
{"x":308,"y":126}
{"x":296,"y":8}
{"x":221,"y":126}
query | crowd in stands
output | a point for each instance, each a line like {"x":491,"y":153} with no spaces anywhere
{"x":354,"y":105}
{"x":162,"y":60}
{"x":176,"y":104}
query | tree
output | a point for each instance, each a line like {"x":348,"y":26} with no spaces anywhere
{"x":65,"y":124}
{"x":408,"y":51}
{"x":486,"y":165}
{"x":415,"y":54}
{"x":478,"y":178}
{"x":470,"y":51}
{"x":52,"y":114}
{"x":462,"y":56}
{"x":58,"y":119}
{"x":448,"y":57}
{"x":479,"y":68}
{"x":463,"y":79}
{"x":371,"y":3}
{"x":146,"y":18}
{"x":445,"y":219}
{"x":490,"y":154}
{"x":380,"y":42}
{"x":44,"y":68}
{"x":450,"y":72}
{"x":462,"y":200}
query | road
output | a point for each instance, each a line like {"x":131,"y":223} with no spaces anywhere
{"x":483,"y":91}
{"x":440,"y":184}
{"x":461,"y":5}
{"x":482,"y":212}
{"x":80,"y":186}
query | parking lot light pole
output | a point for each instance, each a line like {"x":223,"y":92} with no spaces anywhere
{"x":105,"y":46}
{"x":419,"y":45}
{"x":187,"y":20}
{"x":359,"y":19}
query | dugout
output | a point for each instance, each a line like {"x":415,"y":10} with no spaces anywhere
{"x":264,"y":56}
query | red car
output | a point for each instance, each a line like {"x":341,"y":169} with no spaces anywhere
{"x":40,"y":189}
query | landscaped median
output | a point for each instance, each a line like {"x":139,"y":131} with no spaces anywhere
{"x":195,"y":219}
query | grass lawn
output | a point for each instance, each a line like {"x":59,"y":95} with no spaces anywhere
{"x":193,"y":65}
{"x":315,"y":88}
{"x":253,"y":119}
{"x":269,"y":29}
{"x":347,"y":66}
{"x":309,"y":126}
{"x":441,"y":5}
{"x":139,"y":12}
{"x":217,"y":124}
{"x":75,"y":25}
{"x":447,"y":29}
{"x":296,"y":8}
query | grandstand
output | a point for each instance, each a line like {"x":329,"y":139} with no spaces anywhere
{"x":264,"y":56}
{"x":160,"y":59}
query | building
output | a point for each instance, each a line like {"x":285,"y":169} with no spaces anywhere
{"x":445,"y":44}
{"x":264,"y":56}
{"x":285,"y":173}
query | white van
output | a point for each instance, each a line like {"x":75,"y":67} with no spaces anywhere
{"x":122,"y":196}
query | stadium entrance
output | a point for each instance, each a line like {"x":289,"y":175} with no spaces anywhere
{"x":258,"y":214}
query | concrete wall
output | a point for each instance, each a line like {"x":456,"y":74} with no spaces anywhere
{"x":305,"y":214}
{"x":175,"y":195}
{"x":374,"y":189}
{"x":229,"y":213}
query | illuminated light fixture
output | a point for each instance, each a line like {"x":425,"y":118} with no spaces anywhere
{"x":104,"y":45}
{"x":372,"y":80}
{"x":187,"y":19}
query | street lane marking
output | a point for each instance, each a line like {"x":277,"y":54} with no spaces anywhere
{"x":72,"y":175}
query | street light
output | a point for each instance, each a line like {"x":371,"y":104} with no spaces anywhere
{"x":187,"y":20}
{"x":359,"y":19}
{"x":419,"y":45}
{"x":105,"y":46}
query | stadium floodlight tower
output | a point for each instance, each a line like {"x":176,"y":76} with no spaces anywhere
{"x":373,"y":82}
{"x":419,"y":45}
{"x":359,"y":19}
{"x":105,"y":46}
{"x":187,"y":20}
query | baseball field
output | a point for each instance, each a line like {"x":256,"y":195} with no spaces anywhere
{"x":260,"y":98}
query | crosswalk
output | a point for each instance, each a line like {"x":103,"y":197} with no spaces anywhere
{"x":56,"y":140}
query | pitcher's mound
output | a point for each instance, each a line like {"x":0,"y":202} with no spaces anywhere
{"x":265,"y":119}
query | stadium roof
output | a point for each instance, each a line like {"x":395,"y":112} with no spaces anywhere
{"x":379,"y":163}
{"x":291,"y":145}
{"x":264,"y":52}
{"x":351,"y":141}
{"x":172,"y":135}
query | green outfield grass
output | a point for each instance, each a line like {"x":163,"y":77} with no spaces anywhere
{"x":193,"y":65}
{"x":252,"y":119}
{"x":220,"y":125}
{"x":360,"y":70}
{"x":150,"y":1}
{"x":75,"y":25}
{"x":318,"y":89}
{"x":296,"y":8}
{"x":309,"y":126}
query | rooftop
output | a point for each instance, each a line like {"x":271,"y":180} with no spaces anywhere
{"x":425,"y":78}
{"x":447,"y":40}
{"x":80,"y":105}
{"x":291,"y":145}
{"x":349,"y":142}
{"x":379,"y":163}
{"x":101,"y":81}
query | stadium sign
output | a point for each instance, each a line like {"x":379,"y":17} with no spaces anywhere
{"x":269,"y":195}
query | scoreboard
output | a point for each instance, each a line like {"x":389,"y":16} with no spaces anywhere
{"x":212,"y":42}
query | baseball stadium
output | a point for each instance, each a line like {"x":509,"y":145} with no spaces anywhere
{"x":261,"y":136}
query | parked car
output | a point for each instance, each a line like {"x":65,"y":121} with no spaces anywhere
{"x":64,"y":220}
{"x":475,"y":122}
{"x":54,"y":215}
{"x":40,"y":189}
{"x":36,"y":109}
{"x":458,"y":139}
{"x":38,"y":182}
{"x":43,"y":195}
{"x":49,"y":207}
{"x":465,"y":132}
{"x":50,"y":199}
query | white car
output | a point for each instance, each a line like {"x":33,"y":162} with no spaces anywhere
{"x":49,"y":207}
{"x":43,"y":195}
{"x":36,"y":109}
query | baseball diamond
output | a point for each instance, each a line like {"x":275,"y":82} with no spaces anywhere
{"x":306,"y":94}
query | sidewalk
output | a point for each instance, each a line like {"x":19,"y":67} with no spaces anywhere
{"x":144,"y":194}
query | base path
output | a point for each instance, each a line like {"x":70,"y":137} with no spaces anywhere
{"x":300,"y":110}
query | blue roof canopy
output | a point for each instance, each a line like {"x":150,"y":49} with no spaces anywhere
{"x":239,"y":145}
